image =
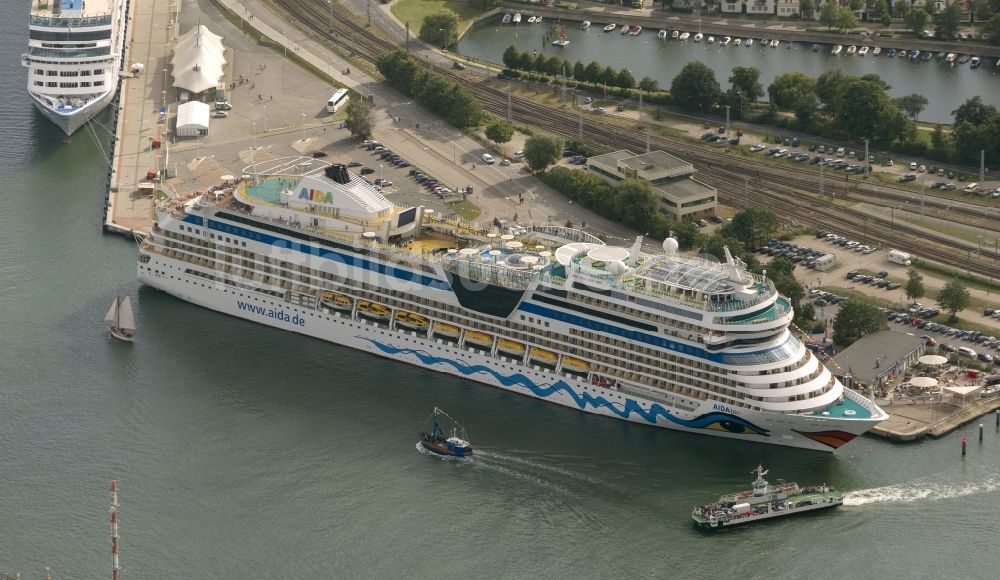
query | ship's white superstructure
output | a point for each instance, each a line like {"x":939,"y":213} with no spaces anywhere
{"x":543,"y":311}
{"x":74,"y":58}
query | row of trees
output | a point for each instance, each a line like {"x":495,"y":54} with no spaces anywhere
{"x":976,"y":128}
{"x":593,"y":73}
{"x":434,"y":92}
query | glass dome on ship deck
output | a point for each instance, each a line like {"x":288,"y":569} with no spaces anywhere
{"x":705,"y":277}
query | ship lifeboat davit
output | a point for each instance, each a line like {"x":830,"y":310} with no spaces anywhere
{"x":445,"y":330}
{"x":412,"y":321}
{"x":373,"y":310}
{"x":511,"y":348}
{"x":336,"y":300}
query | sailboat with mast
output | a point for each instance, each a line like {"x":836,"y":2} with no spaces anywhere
{"x":121,"y":319}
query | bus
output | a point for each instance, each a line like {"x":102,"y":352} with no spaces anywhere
{"x":338,"y":100}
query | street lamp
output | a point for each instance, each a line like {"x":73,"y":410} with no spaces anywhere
{"x":380,"y":173}
{"x":253,"y":135}
{"x":740,"y":93}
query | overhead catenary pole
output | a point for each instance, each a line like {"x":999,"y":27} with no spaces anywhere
{"x":982,"y":166}
{"x":115,"y":569}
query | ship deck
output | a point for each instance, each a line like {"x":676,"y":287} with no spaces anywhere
{"x":847,"y":409}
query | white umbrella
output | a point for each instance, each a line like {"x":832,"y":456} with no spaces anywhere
{"x":932,"y":359}
{"x":923,"y":382}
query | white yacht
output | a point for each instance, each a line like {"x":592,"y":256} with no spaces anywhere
{"x":74,"y":58}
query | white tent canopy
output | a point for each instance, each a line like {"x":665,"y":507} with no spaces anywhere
{"x":192,"y":119}
{"x":932,"y":360}
{"x":923,"y":382}
{"x":199,"y":60}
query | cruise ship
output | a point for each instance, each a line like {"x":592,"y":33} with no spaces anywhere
{"x":543,"y":311}
{"x":74,"y":58}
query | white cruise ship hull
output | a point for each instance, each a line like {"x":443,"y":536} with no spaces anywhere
{"x":69,"y":123}
{"x":794,"y":430}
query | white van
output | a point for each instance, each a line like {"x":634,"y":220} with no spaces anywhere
{"x":840,"y":151}
{"x":488,"y":159}
{"x":518,"y":156}
{"x":966,"y":351}
{"x":971,"y":188}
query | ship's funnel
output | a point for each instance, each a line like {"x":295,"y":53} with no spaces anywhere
{"x":338,"y":173}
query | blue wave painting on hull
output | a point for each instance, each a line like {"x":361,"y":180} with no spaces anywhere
{"x":716,"y":421}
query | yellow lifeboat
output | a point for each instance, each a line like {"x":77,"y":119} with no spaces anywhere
{"x":373,"y":310}
{"x":511,"y":348}
{"x":476,"y":338}
{"x":446,"y":330}
{"x":411,"y":320}
{"x":575,"y":365}
{"x":336,"y":300}
{"x":542,"y":356}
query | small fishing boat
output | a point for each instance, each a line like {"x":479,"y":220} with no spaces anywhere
{"x":902,"y":53}
{"x":836,"y":50}
{"x":445,"y":330}
{"x":585,"y":25}
{"x":336,"y":300}
{"x":852,"y":49}
{"x":662,"y":34}
{"x":437,"y":442}
{"x":538,"y":20}
{"x":877,"y":51}
{"x":480,"y":339}
{"x":765,"y":501}
{"x":121,"y":319}
{"x":531,"y":20}
{"x":506,"y":18}
{"x":950,"y":58}
{"x":775,"y":43}
{"x":963,"y":58}
{"x":698,"y":37}
{"x":725,"y":41}
{"x":737,"y":41}
{"x":412,"y":321}
{"x":510,"y":348}
{"x":373,"y":310}
{"x":610,"y":27}
{"x":710,"y":40}
{"x":684,"y":36}
{"x":675,"y":34}
{"x":517,"y":18}
{"x":863,"y":51}
{"x":625,"y":29}
{"x":815,"y":48}
{"x":749,"y":42}
{"x":975,"y":62}
{"x":635,"y":30}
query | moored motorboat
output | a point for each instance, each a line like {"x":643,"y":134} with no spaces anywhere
{"x":438,"y":442}
{"x":710,"y":40}
{"x":837,"y":50}
{"x":950,"y":57}
{"x":765,"y":501}
{"x":749,"y":42}
{"x":913,"y":54}
{"x":610,"y":27}
{"x":725,"y":41}
{"x":684,"y":36}
{"x":890,"y":52}
{"x":506,"y":18}
{"x":975,"y":62}
{"x":698,"y":37}
{"x":675,"y":34}
{"x":926,"y":55}
{"x":963,"y":58}
{"x":903,"y":53}
{"x":585,"y":25}
{"x":737,"y":41}
{"x":635,"y":30}
{"x":560,"y":42}
{"x":775,"y":43}
{"x":852,"y":49}
{"x":877,"y":51}
{"x":531,"y":20}
{"x":517,"y":18}
{"x":538,"y":20}
{"x":662,"y":34}
{"x":863,"y":51}
{"x":815,"y":48}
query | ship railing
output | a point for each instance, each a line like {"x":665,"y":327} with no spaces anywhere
{"x":61,"y":22}
{"x":564,"y":233}
{"x":489,"y":273}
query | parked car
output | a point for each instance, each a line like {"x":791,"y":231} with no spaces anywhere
{"x":367,"y":171}
{"x":488,"y":159}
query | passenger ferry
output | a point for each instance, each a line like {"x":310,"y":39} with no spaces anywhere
{"x":74,"y":58}
{"x":548,"y":312}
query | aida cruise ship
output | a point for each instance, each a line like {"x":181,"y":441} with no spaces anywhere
{"x":546,"y":312}
{"x":74,"y":58}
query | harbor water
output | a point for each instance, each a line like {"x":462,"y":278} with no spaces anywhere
{"x":945,"y":86}
{"x":247,"y":452}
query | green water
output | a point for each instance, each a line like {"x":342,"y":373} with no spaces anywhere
{"x":245,"y":452}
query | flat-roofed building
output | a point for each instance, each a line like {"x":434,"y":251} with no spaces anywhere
{"x":681,"y":196}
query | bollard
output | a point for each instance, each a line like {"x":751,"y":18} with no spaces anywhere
{"x":997,"y":415}
{"x":980,"y":432}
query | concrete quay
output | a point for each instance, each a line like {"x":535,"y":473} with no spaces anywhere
{"x":914,"y":421}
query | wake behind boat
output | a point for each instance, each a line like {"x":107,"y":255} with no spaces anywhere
{"x":765,"y":501}
{"x":436,"y":442}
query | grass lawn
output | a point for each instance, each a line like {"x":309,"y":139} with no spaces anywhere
{"x":465,"y":209}
{"x":414,"y":11}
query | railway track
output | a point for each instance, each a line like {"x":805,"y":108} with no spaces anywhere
{"x":792,"y":192}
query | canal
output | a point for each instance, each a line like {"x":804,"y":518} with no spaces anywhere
{"x":945,"y":86}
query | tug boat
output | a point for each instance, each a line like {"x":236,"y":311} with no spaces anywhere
{"x":436,"y":442}
{"x":765,"y":501}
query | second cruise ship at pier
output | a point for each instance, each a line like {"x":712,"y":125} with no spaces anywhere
{"x":542,"y":311}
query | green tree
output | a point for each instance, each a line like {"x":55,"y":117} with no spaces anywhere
{"x":695,"y":87}
{"x":830,"y":86}
{"x":541,"y":151}
{"x":608,"y":76}
{"x":886,"y":20}
{"x":954,"y":298}
{"x":914,"y":286}
{"x":499,"y":131}
{"x":625,"y":80}
{"x":486,"y":4}
{"x":511,"y":57}
{"x":992,"y":27}
{"x":983,"y":11}
{"x":902,"y":9}
{"x":440,"y":29}
{"x":974,"y":111}
{"x":593,"y":72}
{"x":855,"y":319}
{"x":828,"y":14}
{"x":746,"y":81}
{"x":526,"y":61}
{"x":948,"y":21}
{"x":916,"y":20}
{"x":752,"y":226}
{"x":854,"y":5}
{"x":553,"y":66}
{"x":360,"y":118}
{"x":846,"y":20}
{"x":865,"y":111}
{"x":579,"y":71}
{"x":882,"y":7}
{"x":806,"y":8}
{"x":649,"y":85}
{"x":789,"y":89}
{"x":635,"y":203}
{"x":912,"y":105}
